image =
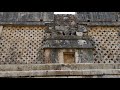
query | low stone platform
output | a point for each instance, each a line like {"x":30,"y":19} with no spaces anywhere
{"x":81,"y":66}
{"x":93,"y":73}
{"x":87,"y":70}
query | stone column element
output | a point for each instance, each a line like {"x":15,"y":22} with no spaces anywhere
{"x":1,"y":27}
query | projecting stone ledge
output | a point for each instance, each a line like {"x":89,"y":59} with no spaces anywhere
{"x":57,"y":66}
{"x":100,"y":23}
{"x":23,"y":23}
{"x":54,"y":73}
{"x":68,"y":44}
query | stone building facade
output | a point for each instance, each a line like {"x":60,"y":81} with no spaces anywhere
{"x":45,"y":38}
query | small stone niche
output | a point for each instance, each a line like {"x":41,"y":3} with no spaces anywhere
{"x":69,"y":57}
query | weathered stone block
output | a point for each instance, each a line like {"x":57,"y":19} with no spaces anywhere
{"x":1,"y":27}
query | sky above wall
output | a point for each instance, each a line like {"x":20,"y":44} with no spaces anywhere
{"x":64,"y":12}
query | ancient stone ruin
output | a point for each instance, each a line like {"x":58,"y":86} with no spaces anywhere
{"x":42,"y":44}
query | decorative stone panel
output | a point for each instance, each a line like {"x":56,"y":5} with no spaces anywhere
{"x":107,"y":44}
{"x":22,"y":45}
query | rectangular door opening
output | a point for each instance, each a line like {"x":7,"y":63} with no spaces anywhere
{"x":69,"y":57}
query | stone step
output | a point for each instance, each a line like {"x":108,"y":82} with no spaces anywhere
{"x":62,"y":73}
{"x":81,"y":66}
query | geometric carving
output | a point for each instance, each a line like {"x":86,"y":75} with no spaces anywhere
{"x":22,"y":45}
{"x":66,"y":38}
{"x":106,"y":41}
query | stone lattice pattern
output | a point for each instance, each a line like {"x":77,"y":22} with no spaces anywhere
{"x":107,"y":44}
{"x":22,"y":45}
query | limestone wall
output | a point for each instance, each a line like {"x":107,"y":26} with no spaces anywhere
{"x":24,"y":44}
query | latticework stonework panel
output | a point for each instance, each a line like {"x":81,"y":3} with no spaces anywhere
{"x":107,"y":44}
{"x":22,"y":45}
